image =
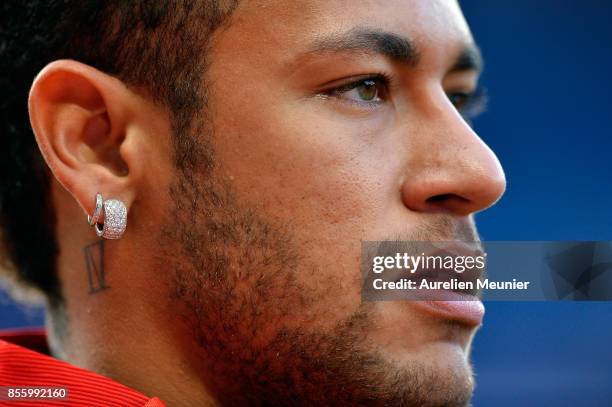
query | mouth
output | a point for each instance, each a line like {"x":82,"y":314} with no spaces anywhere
{"x":441,"y":285}
{"x":449,"y":294}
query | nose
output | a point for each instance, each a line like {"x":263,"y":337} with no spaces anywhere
{"x":450,"y":169}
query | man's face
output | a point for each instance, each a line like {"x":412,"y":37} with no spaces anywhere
{"x":331,"y":122}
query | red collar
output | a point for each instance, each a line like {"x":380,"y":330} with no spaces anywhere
{"x":24,"y":367}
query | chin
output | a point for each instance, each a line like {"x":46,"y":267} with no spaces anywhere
{"x":437,"y":374}
{"x":444,"y":374}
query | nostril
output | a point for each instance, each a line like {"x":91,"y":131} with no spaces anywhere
{"x":448,"y":202}
{"x":437,"y":198}
{"x":442,"y":198}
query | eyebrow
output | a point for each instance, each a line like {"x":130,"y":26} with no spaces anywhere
{"x":393,"y":46}
{"x":470,"y":59}
{"x":385,"y":43}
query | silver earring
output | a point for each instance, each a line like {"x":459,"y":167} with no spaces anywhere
{"x":96,"y":215}
{"x":115,"y":218}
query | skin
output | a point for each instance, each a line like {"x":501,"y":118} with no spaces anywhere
{"x":240,"y":282}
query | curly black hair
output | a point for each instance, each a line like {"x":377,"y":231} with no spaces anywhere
{"x":159,"y":46}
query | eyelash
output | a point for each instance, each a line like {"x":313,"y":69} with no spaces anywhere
{"x":472,"y":104}
{"x":382,"y":81}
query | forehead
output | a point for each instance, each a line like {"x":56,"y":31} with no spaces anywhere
{"x":278,"y":30}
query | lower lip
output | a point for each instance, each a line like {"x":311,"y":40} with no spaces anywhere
{"x":470,"y":310}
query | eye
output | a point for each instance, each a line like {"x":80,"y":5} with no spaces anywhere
{"x":459,"y":99}
{"x":469,"y":104}
{"x":370,"y":90}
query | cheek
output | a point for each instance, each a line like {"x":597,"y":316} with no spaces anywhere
{"x":325,"y":175}
{"x":326,"y":181}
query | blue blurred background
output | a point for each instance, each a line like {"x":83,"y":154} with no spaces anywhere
{"x":548,"y":67}
{"x":548,"y":73}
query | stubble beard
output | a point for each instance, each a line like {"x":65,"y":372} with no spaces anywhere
{"x":235,"y":277}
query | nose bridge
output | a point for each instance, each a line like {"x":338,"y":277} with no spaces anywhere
{"x":449,"y":168}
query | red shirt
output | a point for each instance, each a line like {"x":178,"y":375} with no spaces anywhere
{"x":20,"y":366}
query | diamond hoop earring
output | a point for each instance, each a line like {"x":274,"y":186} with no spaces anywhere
{"x":115,"y":218}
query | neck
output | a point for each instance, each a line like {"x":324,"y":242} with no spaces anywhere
{"x":139,"y":354}
{"x":117,"y":318}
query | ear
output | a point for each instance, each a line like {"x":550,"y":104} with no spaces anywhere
{"x":81,"y":117}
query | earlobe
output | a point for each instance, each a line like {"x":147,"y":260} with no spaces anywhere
{"x":79,"y":116}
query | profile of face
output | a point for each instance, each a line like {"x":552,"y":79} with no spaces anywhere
{"x":333,"y":123}
{"x":328,"y":123}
